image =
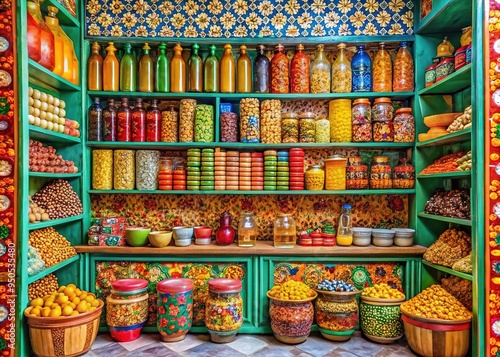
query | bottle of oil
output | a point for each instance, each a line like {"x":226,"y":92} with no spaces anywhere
{"x":162,"y":83}
{"x":94,"y":69}
{"x":178,"y":71}
{"x":227,"y":71}
{"x":247,"y":230}
{"x":344,"y":231}
{"x":128,"y":70}
{"x":211,"y":72}
{"x":285,"y":231}
{"x":195,"y":65}
{"x":110,"y":70}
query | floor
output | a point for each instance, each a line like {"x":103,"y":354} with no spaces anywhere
{"x":199,"y":345}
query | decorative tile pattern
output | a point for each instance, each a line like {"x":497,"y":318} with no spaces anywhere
{"x":247,"y":18}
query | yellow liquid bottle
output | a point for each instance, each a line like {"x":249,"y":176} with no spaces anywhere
{"x":146,"y":71}
{"x":94,"y":69}
{"x":244,"y":65}
{"x":51,"y":22}
{"x":68,"y":49}
{"x":76,"y":69}
{"x":227,"y":71}
{"x":111,"y":70}
{"x":178,"y":71}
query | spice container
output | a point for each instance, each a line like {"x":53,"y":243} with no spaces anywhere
{"x":127,"y":308}
{"x":361,"y":111}
{"x":315,"y":177}
{"x":280,"y":82}
{"x":249,"y":120}
{"x":229,"y":127}
{"x":174,"y":308}
{"x":357,"y":174}
{"x":186,"y":120}
{"x":147,"y":164}
{"x":102,"y":173}
{"x":204,"y":130}
{"x":382,"y":109}
{"x":403,"y":70}
{"x":444,"y":68}
{"x":322,"y":130}
{"x":247,"y":230}
{"x":430,"y":73}
{"x":124,"y":170}
{"x":404,"y":175}
{"x":339,"y":114}
{"x":223,"y":309}
{"x":307,"y":127}
{"x":285,"y":231}
{"x":289,"y":128}
{"x":169,"y":125}
{"x":404,"y":126}
{"x":270,"y":121}
{"x":380,"y":173}
{"x":335,"y":172}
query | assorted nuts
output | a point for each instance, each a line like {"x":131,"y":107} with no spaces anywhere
{"x":58,"y":200}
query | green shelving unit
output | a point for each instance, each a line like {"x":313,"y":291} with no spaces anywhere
{"x":409,"y":191}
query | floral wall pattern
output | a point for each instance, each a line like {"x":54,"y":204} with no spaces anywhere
{"x":247,"y":18}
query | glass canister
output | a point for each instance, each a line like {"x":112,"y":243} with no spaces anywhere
{"x":320,"y":72}
{"x":383,"y":131}
{"x":169,"y":125}
{"x":382,"y":114}
{"x":204,"y":126}
{"x":261,"y":71}
{"x":361,"y":66}
{"x":138,"y":130}
{"x":403,"y":70}
{"x":186,"y":120}
{"x":247,"y":230}
{"x":339,"y":114}
{"x":153,"y":122}
{"x":357,"y":174}
{"x":147,"y":164}
{"x":289,"y":128}
{"x":404,"y":126}
{"x":315,"y":178}
{"x":165,"y":176}
{"x":322,"y":130}
{"x":382,"y":109}
{"x":280,"y":82}
{"x":96,"y":122}
{"x":124,"y":170}
{"x":124,"y":119}
{"x":249,"y":120}
{"x":404,"y":175}
{"x":229,"y":127}
{"x":270,"y":121}
{"x":380,"y":173}
{"x":361,"y":111}
{"x":127,"y":308}
{"x":307,"y":127}
{"x":174,"y":308}
{"x":300,"y":66}
{"x":341,"y":72}
{"x":382,"y":70}
{"x":285,"y":231}
{"x":109,"y":117}
{"x":223,"y":309}
{"x":335,"y":172}
{"x":102,"y":173}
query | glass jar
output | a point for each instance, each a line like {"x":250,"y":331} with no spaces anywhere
{"x":169,"y":125}
{"x":335,"y":172}
{"x":127,"y":308}
{"x":307,"y":127}
{"x":96,"y":125}
{"x":147,"y":164}
{"x":47,"y":40}
{"x":128,"y":70}
{"x":179,"y":177}
{"x":165,"y":176}
{"x":247,"y":230}
{"x":280,"y":82}
{"x":186,"y":121}
{"x":315,"y":178}
{"x":404,"y":175}
{"x":383,"y":131}
{"x":138,"y":122}
{"x":382,"y":109}
{"x":403,"y":70}
{"x":124,"y":170}
{"x":270,"y":121}
{"x":153,"y":122}
{"x":380,"y":173}
{"x":94,"y":68}
{"x":322,"y":130}
{"x":211,"y":80}
{"x":178,"y":71}
{"x":362,"y":132}
{"x":337,"y":311}
{"x":229,"y":127}
{"x":195,"y":70}
{"x":33,"y":38}
{"x":382,"y":70}
{"x":109,"y":115}
{"x":430,"y":73}
{"x":249,"y":120}
{"x":285,"y":231}
{"x":300,"y":67}
{"x":341,"y":72}
{"x":361,"y":66}
{"x":227,"y":71}
{"x":357,"y":174}
{"x":361,"y":111}
{"x":321,"y":71}
{"x":289,"y":128}
{"x":223,"y":309}
{"x":124,"y":119}
{"x":110,"y":70}
{"x":404,"y":126}
{"x":261,"y":66}
{"x":162,"y":73}
{"x":102,"y":172}
{"x":204,"y":126}
{"x":339,"y":114}
{"x":383,"y":126}
{"x":244,"y":72}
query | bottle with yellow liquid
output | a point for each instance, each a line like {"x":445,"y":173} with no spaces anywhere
{"x":62,"y":42}
{"x":94,"y":68}
{"x":285,"y":231}
{"x":344,"y":231}
{"x":177,"y":71}
{"x":247,"y":230}
{"x":128,"y":70}
{"x":75,"y":69}
{"x":244,"y":71}
{"x":111,"y":70}
{"x":146,"y":71}
{"x":51,"y":22}
{"x":227,"y":71}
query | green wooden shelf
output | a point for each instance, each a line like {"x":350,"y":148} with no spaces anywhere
{"x":51,"y":136}
{"x":64,"y":16}
{"x":456,"y":137}
{"x":446,"y":16}
{"x":446,"y":175}
{"x":463,"y":222}
{"x":52,"y":269}
{"x":38,"y":73}
{"x":54,"y":175}
{"x":54,"y":222}
{"x":246,"y":192}
{"x":455,"y":82}
{"x":448,"y":270}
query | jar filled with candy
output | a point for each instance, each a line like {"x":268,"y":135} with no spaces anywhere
{"x":404,"y":126}
{"x":404,"y":175}
{"x":380,"y":173}
{"x":357,"y":174}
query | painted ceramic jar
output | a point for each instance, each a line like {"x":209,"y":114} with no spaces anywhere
{"x":175,"y":308}
{"x":430,"y":73}
{"x":445,"y":67}
{"x":380,"y":319}
{"x":127,"y":309}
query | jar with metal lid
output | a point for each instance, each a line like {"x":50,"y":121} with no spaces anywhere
{"x":445,"y":67}
{"x":382,"y":109}
{"x":223,"y":309}
{"x":229,"y":127}
{"x":361,"y":111}
{"x":315,"y":177}
{"x":147,"y":164}
{"x":285,"y":231}
{"x":102,"y":173}
{"x":247,"y":230}
{"x":124,"y":170}
{"x":380,"y":173}
{"x":186,"y":120}
{"x":404,"y":175}
{"x":170,"y":125}
{"x":307,"y":127}
{"x":289,"y":128}
{"x":322,"y":130}
{"x":127,"y":308}
{"x":357,"y":174}
{"x":337,"y":312}
{"x":335,"y":172}
{"x":404,"y":126}
{"x":430,"y":72}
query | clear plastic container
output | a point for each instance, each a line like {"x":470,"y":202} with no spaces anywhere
{"x":344,"y":229}
{"x":380,"y":173}
{"x":404,"y":175}
{"x":102,"y":173}
{"x":307,"y":127}
{"x":249,"y":120}
{"x":204,"y":126}
{"x":320,"y":72}
{"x":404,"y":126}
{"x":289,"y":128}
{"x":186,"y":120}
{"x":382,"y":109}
{"x":357,"y":174}
{"x":315,"y":178}
{"x":335,"y":172}
{"x":285,"y":231}
{"x":322,"y":130}
{"x":147,"y":165}
{"x":341,"y":72}
{"x":403,"y":70}
{"x":229,"y":127}
{"x":361,"y":111}
{"x":339,"y":115}
{"x":382,"y":70}
{"x":270,"y":121}
{"x":247,"y":230}
{"x":124,"y":170}
{"x":169,"y":125}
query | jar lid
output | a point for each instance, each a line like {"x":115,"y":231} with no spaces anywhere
{"x":222,"y":285}
{"x":315,"y":167}
{"x":337,"y":158}
{"x":307,"y":115}
{"x":174,"y":285}
{"x":355,"y":159}
{"x":289,"y":116}
{"x":403,"y":110}
{"x":382,"y":100}
{"x":361,"y":101}
{"x":129,"y":284}
{"x":381,"y":159}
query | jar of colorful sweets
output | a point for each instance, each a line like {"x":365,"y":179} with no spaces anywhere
{"x":357,"y":174}
{"x":307,"y":127}
{"x":404,"y":175}
{"x":289,"y":128}
{"x":315,"y":177}
{"x":380,"y":173}
{"x":404,"y":126}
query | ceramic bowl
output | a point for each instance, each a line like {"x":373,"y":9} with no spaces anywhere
{"x":183,"y":232}
{"x":361,"y":236}
{"x":203,"y":241}
{"x":382,"y":237}
{"x":183,"y":242}
{"x":403,"y":237}
{"x":160,"y":239}
{"x":202,"y":232}
{"x":137,"y":236}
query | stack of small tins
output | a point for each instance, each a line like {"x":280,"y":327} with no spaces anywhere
{"x":232,"y":170}
{"x":165,"y":174}
{"x":282,"y":179}
{"x":257,"y":171}
{"x":207,"y":181}
{"x":193,"y":169}
{"x":296,"y":158}
{"x":245,"y":171}
{"x":220,"y":169}
{"x":179,"y":176}
{"x":270,"y":166}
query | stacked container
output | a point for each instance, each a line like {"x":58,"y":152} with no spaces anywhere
{"x":165,"y":174}
{"x":193,"y":169}
{"x":220,"y":169}
{"x":232,"y":170}
{"x":270,"y":170}
{"x":283,"y":175}
{"x":207,"y":181}
{"x":257,"y":171}
{"x":296,"y":158}
{"x":245,"y":182}
{"x":179,"y":177}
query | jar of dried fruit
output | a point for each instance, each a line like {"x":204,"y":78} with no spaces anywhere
{"x":315,"y":178}
{"x":380,"y":173}
{"x":357,"y":174}
{"x":404,"y":126}
{"x":404,"y":175}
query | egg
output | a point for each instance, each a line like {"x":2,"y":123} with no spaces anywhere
{"x":43,"y":96}
{"x":44,"y":106}
{"x":43,"y":124}
{"x":37,"y":94}
{"x":30,"y":101}
{"x":36,"y":112}
{"x":50,"y":99}
{"x":31,"y":119}
{"x":43,"y":114}
{"x":55,"y":127}
{"x":56,"y":102}
{"x":50,"y":125}
{"x":55,"y":110}
{"x":50,"y":116}
{"x":62,"y":113}
{"x":37,"y":121}
{"x":37,"y":103}
{"x":62,"y":104}
{"x":30,"y":91}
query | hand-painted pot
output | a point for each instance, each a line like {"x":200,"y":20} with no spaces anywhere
{"x":381,"y":319}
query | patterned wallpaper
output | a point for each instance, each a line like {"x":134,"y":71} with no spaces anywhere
{"x":247,"y":18}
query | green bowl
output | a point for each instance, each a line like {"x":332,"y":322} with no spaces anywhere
{"x":137,"y":236}
{"x":338,"y":336}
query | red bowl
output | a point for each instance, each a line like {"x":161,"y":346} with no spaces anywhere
{"x":202,"y":232}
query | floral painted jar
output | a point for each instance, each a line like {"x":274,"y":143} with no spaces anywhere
{"x":127,"y":309}
{"x":223,"y":309}
{"x":175,"y":308}
{"x":380,"y":319}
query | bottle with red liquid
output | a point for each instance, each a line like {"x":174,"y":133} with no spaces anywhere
{"x":47,"y":41}
{"x":138,"y":122}
{"x":109,"y":119}
{"x":225,"y":234}
{"x":153,"y":122}
{"x":124,"y":118}
{"x":33,"y":39}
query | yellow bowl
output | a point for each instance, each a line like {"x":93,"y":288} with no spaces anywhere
{"x":160,"y":239}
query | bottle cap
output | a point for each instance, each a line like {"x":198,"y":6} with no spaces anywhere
{"x":346,"y":206}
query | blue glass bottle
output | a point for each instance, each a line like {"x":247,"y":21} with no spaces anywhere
{"x":361,"y":66}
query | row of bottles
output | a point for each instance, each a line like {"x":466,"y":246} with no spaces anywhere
{"x":49,"y":45}
{"x":278,"y":75}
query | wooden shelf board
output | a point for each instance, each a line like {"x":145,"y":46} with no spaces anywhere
{"x":53,"y":269}
{"x":242,"y":192}
{"x":448,"y":270}
{"x":463,"y":222}
{"x":41,"y":74}
{"x":54,"y":222}
{"x":453,"y":83}
{"x":445,"y":175}
{"x":456,"y":137}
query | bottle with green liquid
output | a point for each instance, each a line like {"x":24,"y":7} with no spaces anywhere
{"x":162,"y":82}
{"x":146,"y":70}
{"x":211,"y":70}
{"x":128,"y":70}
{"x":195,"y":68}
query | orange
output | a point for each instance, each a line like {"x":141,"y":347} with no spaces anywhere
{"x":37,"y":302}
{"x":69,"y":290}
{"x":75,"y":300}
{"x":61,"y":289}
{"x":74,"y":313}
{"x":55,"y":313}
{"x":35,"y":311}
{"x":61,"y":299}
{"x":78,"y":292}
{"x":45,"y":311}
{"x":89,"y":298}
{"x":67,"y":310}
{"x":82,"y":307}
{"x":95,"y":303}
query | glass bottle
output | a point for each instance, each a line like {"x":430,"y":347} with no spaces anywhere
{"x":123,"y":121}
{"x":146,"y":70}
{"x":244,"y":65}
{"x":59,"y":42}
{"x":284,"y":231}
{"x":68,"y":52}
{"x":321,"y":72}
{"x":341,"y":72}
{"x":403,"y":70}
{"x":261,"y":71}
{"x":47,"y":41}
{"x":382,"y":70}
{"x":344,"y":231}
{"x":153,"y":122}
{"x":178,"y":71}
{"x":247,"y":230}
{"x":95,"y":119}
{"x":280,"y":82}
{"x":211,"y":72}
{"x":300,"y":67}
{"x":109,"y":119}
{"x":225,"y":234}
{"x":361,"y":66}
{"x":94,"y":69}
{"x":195,"y":65}
{"x":75,"y":67}
{"x":33,"y":38}
{"x":227,"y":71}
{"x":138,"y":122}
{"x":128,"y":70}
{"x":162,"y":73}
{"x":110,"y":70}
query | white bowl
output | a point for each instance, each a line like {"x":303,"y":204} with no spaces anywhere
{"x":361,"y":236}
{"x":183,"y":242}
{"x":183,"y":232}
{"x":382,"y":237}
{"x":203,"y":241}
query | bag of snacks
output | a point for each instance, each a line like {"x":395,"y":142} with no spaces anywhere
{"x":451,"y":246}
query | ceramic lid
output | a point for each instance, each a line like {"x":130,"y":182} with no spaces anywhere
{"x":221,"y":285}
{"x":179,"y":285}
{"x":129,"y":284}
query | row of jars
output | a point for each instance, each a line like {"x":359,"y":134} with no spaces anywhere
{"x":230,"y":75}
